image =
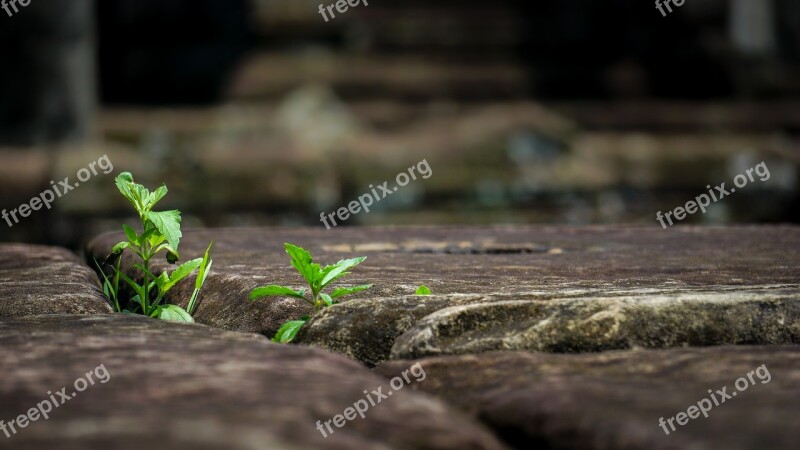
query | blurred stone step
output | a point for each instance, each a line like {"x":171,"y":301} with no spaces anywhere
{"x":614,"y":400}
{"x":269,"y":75}
{"x":446,"y":28}
{"x":177,"y":386}
{"x":674,"y":116}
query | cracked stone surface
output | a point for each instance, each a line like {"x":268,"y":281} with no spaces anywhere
{"x":724,"y":316}
{"x":37,"y":279}
{"x":495,"y":286}
{"x":614,"y":400}
{"x":181,"y":386}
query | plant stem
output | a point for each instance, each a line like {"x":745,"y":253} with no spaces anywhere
{"x":146,"y":261}
{"x":191,"y":307}
{"x":317,"y":305}
{"x":116,"y":284}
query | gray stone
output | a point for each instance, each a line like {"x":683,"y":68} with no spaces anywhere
{"x":613,"y":400}
{"x":183,"y":386}
{"x":601,"y":268}
{"x":725,"y":315}
{"x":46,"y":280}
{"x":366,"y":329}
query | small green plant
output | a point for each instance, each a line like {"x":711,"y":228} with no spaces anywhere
{"x":161,"y":231}
{"x":423,"y":290}
{"x":317,"y":278}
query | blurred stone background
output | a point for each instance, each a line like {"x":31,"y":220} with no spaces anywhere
{"x":260,"y":113}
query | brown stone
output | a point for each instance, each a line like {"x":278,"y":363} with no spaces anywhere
{"x":614,"y":400}
{"x":659,"y":288}
{"x":181,"y":386}
{"x":631,"y":319}
{"x":37,"y":280}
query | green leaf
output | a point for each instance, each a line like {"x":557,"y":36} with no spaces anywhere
{"x":155,"y":197}
{"x":272,"y":290}
{"x":423,"y":290}
{"x":130,"y":233}
{"x":172,"y":254}
{"x":172,"y":313}
{"x":117,"y":249}
{"x":125,"y":176}
{"x":287,"y":332}
{"x":341,"y":292}
{"x":316,"y":276}
{"x":205,"y":268}
{"x":141,"y":193}
{"x":160,"y":281}
{"x":327,"y":299}
{"x":301,"y":260}
{"x":168,"y":224}
{"x":108,"y":289}
{"x":200,"y":279}
{"x":155,"y":238}
{"x":146,"y":235}
{"x":138,"y":300}
{"x":339,"y":269}
{"x":124,"y":182}
{"x":183,"y":271}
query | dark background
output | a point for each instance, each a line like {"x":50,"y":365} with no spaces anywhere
{"x":260,"y":113}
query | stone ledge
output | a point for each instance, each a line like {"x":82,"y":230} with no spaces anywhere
{"x":38,"y":280}
{"x":614,"y":400}
{"x":182,"y":386}
{"x":567,"y":266}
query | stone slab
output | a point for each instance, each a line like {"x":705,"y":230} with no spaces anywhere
{"x":603,"y":267}
{"x":181,"y":386}
{"x":46,"y":280}
{"x":614,"y":400}
{"x":720,"y":316}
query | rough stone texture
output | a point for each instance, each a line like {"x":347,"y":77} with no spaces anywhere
{"x":46,"y":280}
{"x":373,"y":330}
{"x":193,"y":387}
{"x":366,"y":329}
{"x":751,"y":270}
{"x":614,"y":400}
{"x":634,"y":319}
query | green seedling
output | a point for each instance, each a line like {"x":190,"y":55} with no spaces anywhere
{"x":423,"y":290}
{"x":161,"y":232}
{"x":317,"y":278}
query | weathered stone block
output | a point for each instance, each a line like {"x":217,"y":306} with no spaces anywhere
{"x":183,"y":386}
{"x":614,"y":400}
{"x":38,"y":280}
